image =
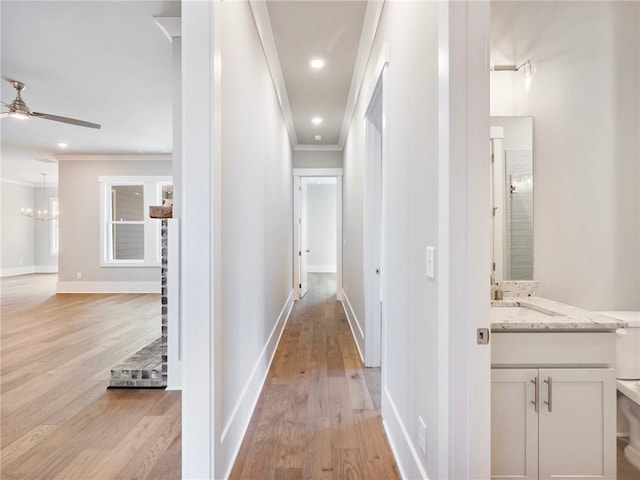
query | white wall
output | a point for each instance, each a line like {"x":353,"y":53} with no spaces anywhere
{"x":17,"y":232}
{"x":317,"y":159}
{"x":44,"y":261}
{"x":79,"y":194}
{"x":257,"y":236}
{"x":24,"y":241}
{"x":321,"y":215}
{"x":585,"y":105}
{"x":410,"y":375}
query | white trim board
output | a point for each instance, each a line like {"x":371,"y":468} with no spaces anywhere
{"x":134,"y":179}
{"x":27,"y":270}
{"x":406,"y":455}
{"x":46,"y":269}
{"x":265,"y":32}
{"x":113,"y":158}
{"x":238,"y":423}
{"x":174,"y":323}
{"x":354,"y":324}
{"x":24,"y":184}
{"x":108,"y":287}
{"x":305,"y":147}
{"x":13,"y":271}
{"x":367,"y":37}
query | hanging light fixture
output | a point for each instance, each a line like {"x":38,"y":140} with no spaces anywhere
{"x":44,"y":215}
{"x":527,"y":70}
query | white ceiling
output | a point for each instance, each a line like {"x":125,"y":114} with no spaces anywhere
{"x":108,"y":62}
{"x":327,"y":29}
{"x":102,"y":61}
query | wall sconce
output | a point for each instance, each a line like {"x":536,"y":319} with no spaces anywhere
{"x":527,"y":70}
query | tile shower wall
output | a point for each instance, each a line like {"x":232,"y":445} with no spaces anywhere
{"x":519,"y":203}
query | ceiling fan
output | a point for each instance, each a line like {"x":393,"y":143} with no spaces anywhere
{"x":19,"y":109}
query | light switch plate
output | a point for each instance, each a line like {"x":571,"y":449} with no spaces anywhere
{"x":431,"y":262}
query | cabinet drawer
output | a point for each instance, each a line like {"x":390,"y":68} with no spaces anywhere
{"x":553,"y":349}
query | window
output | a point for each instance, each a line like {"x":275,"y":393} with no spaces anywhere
{"x":53,"y":232}
{"x":129,"y":236}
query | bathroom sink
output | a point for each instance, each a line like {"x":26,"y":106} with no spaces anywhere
{"x":521,"y":312}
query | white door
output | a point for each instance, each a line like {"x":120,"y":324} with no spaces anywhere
{"x":373,"y":229}
{"x":514,"y":424}
{"x":577,"y":423}
{"x":304,"y":240}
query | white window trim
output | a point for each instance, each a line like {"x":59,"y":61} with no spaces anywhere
{"x":152,"y":193}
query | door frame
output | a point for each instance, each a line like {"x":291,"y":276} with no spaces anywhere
{"x":375,"y":293}
{"x":298,"y":175}
{"x":464,"y":238}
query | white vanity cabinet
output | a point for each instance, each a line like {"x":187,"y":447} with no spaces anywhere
{"x":553,"y":405}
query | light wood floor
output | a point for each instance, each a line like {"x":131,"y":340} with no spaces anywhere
{"x":315,"y":418}
{"x":57,"y":419}
{"x":626,"y":471}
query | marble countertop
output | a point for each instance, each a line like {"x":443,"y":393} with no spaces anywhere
{"x":542,"y":314}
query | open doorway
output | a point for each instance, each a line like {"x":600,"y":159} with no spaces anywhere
{"x":317,"y":226}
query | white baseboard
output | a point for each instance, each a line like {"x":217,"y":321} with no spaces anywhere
{"x":108,"y":287}
{"x":354,"y":324}
{"x":12,"y":271}
{"x":404,"y":451}
{"x":46,"y":268}
{"x":322,"y":268}
{"x":236,"y":427}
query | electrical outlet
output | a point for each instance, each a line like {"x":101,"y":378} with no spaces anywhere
{"x":422,"y":436}
{"x":79,"y":275}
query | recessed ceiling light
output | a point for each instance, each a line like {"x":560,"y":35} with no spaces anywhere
{"x":317,"y":63}
{"x":318,"y":137}
{"x":63,"y":145}
{"x":316,"y":120}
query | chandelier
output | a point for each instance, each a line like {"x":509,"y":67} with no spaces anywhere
{"x":43,"y":214}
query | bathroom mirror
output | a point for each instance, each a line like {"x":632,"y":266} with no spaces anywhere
{"x":512,"y":197}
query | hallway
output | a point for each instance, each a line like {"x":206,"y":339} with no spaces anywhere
{"x":315,"y":417}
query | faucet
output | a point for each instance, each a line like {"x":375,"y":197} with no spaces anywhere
{"x":496,"y":291}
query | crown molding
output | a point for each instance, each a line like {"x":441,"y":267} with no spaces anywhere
{"x":265,"y":32}
{"x":113,"y":158}
{"x":367,"y":37}
{"x":17,"y":182}
{"x":317,"y":148}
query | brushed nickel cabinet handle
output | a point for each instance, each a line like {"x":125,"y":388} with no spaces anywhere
{"x":549,"y":401}
{"x":536,"y":394}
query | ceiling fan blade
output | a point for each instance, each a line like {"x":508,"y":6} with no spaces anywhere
{"x":72,"y":121}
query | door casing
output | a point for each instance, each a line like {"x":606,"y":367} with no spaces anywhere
{"x":298,"y":175}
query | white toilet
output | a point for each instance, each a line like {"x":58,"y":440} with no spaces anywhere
{"x":628,"y":379}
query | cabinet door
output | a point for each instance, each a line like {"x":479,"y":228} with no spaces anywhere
{"x":514,"y":424}
{"x":577,"y":423}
